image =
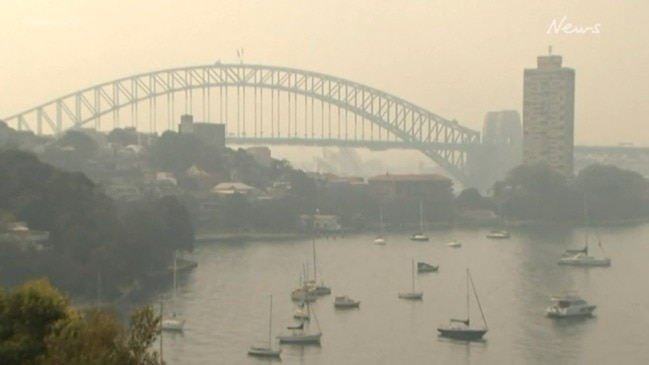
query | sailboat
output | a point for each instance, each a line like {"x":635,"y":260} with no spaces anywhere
{"x":380,"y":239}
{"x":304,"y":293}
{"x":173,"y":323}
{"x":500,"y":232}
{"x":301,"y":335}
{"x":317,"y":289}
{"x":266,"y":351}
{"x":412,"y":295}
{"x":301,"y":312}
{"x":580,"y":257}
{"x":420,"y":236}
{"x":460,"y":329}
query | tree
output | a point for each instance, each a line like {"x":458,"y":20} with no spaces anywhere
{"x":470,"y":198}
{"x":536,"y":191}
{"x":82,"y":144}
{"x":99,"y":339}
{"x":38,"y":326}
{"x":613,"y":193}
{"x":27,"y":315}
{"x":175,"y":152}
{"x":122,"y":137}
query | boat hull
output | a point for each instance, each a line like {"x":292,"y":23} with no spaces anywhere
{"x":347,"y":305}
{"x":462,"y":334}
{"x":173,"y":325}
{"x":423,"y":267}
{"x":300,"y":338}
{"x":419,"y":238}
{"x":264,"y":352}
{"x":498,"y":236}
{"x":411,"y":296}
{"x":585,"y":311}
{"x":585,"y":262}
{"x":321,"y":290}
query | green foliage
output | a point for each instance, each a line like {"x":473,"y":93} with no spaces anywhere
{"x":39,"y":327}
{"x":210,"y":159}
{"x":122,"y":137}
{"x":82,"y":144}
{"x":613,"y":193}
{"x":470,"y":197}
{"x":152,"y":230}
{"x":87,"y":233}
{"x":27,"y":314}
{"x":539,"y":193}
{"x":174,"y":152}
{"x":99,"y":339}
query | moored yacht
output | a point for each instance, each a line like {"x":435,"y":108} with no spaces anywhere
{"x":419,"y":237}
{"x":569,"y":304}
{"x":426,"y":267}
{"x":498,"y":234}
{"x":582,"y":259}
{"x":346,"y":302}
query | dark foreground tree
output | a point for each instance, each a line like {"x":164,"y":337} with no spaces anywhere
{"x":39,"y":327}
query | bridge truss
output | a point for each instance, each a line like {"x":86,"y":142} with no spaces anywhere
{"x":261,"y":104}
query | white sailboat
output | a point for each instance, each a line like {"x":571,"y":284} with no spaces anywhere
{"x":301,"y":333}
{"x":317,"y":289}
{"x":582,"y":257}
{"x":412,"y":295}
{"x":420,"y":236}
{"x":301,"y":312}
{"x":380,"y":239}
{"x":500,"y":232}
{"x":173,"y":323}
{"x":268,"y":351}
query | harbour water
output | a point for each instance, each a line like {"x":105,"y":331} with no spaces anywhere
{"x":225,"y":299}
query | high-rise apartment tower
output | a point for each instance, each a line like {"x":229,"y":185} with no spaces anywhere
{"x":548,"y":114}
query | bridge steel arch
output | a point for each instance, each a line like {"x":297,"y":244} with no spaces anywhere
{"x":446,"y":142}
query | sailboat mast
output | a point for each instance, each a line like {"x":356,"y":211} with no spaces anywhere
{"x":381,"y":219}
{"x":173,"y":300}
{"x":467,"y":295}
{"x":315,"y":279}
{"x":421,"y":217}
{"x":477,"y":299}
{"x":99,"y":289}
{"x":413,"y":275}
{"x":270,"y":322}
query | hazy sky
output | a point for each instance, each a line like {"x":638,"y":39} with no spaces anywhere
{"x":459,"y":59}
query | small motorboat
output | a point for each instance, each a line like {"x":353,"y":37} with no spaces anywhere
{"x":426,"y":267}
{"x":346,"y":302}
{"x":419,"y":237}
{"x":569,"y":304}
{"x":454,"y":243}
{"x":498,"y":234}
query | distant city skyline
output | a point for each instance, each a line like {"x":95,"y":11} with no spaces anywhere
{"x":459,"y":60}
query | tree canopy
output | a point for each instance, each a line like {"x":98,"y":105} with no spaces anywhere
{"x":38,"y":326}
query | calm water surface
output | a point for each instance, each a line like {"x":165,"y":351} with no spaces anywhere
{"x":225,"y":300}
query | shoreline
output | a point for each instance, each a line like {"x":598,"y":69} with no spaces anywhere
{"x":202,"y":237}
{"x":206,"y":236}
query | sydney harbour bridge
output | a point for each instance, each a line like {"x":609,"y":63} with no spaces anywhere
{"x":264,"y":105}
